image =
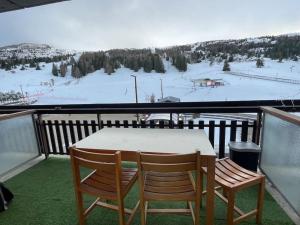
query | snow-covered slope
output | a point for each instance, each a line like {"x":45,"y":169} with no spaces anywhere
{"x":30,"y":50}
{"x":99,"y":87}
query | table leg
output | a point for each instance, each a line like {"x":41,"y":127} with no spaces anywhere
{"x":210,"y":187}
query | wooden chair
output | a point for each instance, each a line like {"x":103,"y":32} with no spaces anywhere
{"x":108,"y":181}
{"x":233,"y":178}
{"x":169,"y":178}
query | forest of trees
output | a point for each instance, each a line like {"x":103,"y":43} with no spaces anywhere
{"x":148,"y":60}
{"x":13,"y":62}
{"x":111,"y":60}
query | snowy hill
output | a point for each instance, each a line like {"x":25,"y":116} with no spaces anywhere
{"x":279,"y":78}
{"x":30,"y":50}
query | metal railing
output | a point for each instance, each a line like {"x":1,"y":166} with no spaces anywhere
{"x":56,"y":136}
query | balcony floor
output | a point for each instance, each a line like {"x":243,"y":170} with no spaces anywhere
{"x":44,"y":195}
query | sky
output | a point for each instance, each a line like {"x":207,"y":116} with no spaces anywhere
{"x":107,"y":24}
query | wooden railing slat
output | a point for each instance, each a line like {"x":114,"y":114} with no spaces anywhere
{"x":79,"y":132}
{"x":58,"y":137}
{"x":65,"y":134}
{"x":52,"y":139}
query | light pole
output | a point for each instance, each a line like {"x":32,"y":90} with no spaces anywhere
{"x":136,"y":94}
{"x":161,"y":89}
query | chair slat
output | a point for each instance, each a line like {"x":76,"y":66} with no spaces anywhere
{"x":167,"y":184}
{"x":243,"y":170}
{"x":186,"y":196}
{"x":95,"y":165}
{"x":178,"y":167}
{"x":169,"y":189}
{"x":224,"y":170}
{"x":183,"y":176}
{"x":168,"y":158}
{"x":94,"y":156}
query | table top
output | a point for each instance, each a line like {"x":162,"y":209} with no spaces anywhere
{"x":178,"y":141}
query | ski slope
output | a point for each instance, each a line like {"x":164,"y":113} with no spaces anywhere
{"x":99,"y":87}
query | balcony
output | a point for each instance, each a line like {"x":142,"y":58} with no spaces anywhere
{"x":44,"y":193}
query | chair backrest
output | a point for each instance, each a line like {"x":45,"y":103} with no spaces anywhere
{"x":94,"y":160}
{"x":169,"y":162}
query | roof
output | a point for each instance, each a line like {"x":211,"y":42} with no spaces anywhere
{"x":163,"y":116}
{"x":169,"y":99}
{"x":9,"y":5}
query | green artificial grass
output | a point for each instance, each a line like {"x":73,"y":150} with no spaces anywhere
{"x":44,"y":195}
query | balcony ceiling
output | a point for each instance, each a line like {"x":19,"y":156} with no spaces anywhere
{"x":9,"y":5}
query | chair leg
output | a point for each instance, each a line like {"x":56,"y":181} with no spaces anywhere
{"x":80,"y":208}
{"x":230,"y":207}
{"x":197,"y":210}
{"x":201,"y":187}
{"x":260,"y":200}
{"x":143,"y":216}
{"x":121,"y":212}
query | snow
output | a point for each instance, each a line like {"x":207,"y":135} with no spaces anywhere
{"x":99,"y":87}
{"x":30,"y":50}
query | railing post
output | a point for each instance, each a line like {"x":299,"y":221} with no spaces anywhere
{"x":42,"y":131}
{"x":258,"y":127}
{"x":222,"y":139}
{"x":211,"y":132}
{"x":244,"y":135}
{"x":191,"y":124}
{"x":161,"y":124}
{"x":201,"y":124}
{"x":117,"y":123}
{"x":99,"y":121}
{"x":233,"y":125}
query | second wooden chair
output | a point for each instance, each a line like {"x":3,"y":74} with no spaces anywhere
{"x":170,"y":178}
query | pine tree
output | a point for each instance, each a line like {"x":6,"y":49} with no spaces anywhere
{"x":72,"y":61}
{"x":158,"y":64}
{"x":152,"y":98}
{"x":259,"y":63}
{"x":226,"y":66}
{"x":75,"y":71}
{"x":32,"y":64}
{"x":54,"y":70}
{"x":148,"y":64}
{"x":181,"y":63}
{"x":38,"y":66}
{"x":108,"y":67}
{"x":8,"y":66}
{"x":63,"y":69}
{"x":211,"y":61}
{"x":230,"y":59}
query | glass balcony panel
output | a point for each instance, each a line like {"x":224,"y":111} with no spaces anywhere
{"x":18,"y":142}
{"x":280,"y":158}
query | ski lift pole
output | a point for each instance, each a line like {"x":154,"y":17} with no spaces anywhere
{"x":136,"y":94}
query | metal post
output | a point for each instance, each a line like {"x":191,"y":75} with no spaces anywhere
{"x":161,"y":89}
{"x":136,"y":94}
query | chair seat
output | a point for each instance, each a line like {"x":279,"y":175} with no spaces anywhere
{"x":175,"y":186}
{"x":230,"y":175}
{"x":102,"y":183}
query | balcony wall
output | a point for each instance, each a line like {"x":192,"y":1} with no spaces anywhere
{"x":18,"y":141}
{"x":280,"y":159}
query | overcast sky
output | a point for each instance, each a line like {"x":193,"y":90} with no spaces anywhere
{"x":106,"y":24}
